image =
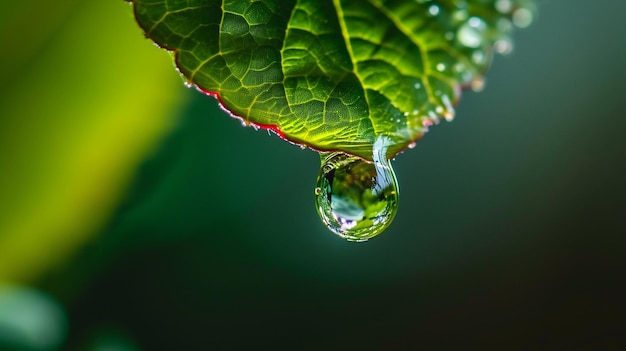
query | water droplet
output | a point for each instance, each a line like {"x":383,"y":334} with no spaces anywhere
{"x":503,"y":46}
{"x":522,"y":17}
{"x":504,"y":6}
{"x":188,"y":84}
{"x":318,"y":190}
{"x":459,"y":15}
{"x":412,"y":145}
{"x":478,"y":84}
{"x":357,"y":199}
{"x":478,"y":57}
{"x":469,"y":36}
{"x":433,"y":10}
{"x":441,"y":67}
{"x":477,"y":22}
{"x":448,"y":112}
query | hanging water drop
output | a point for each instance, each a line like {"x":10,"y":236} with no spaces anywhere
{"x":357,"y":199}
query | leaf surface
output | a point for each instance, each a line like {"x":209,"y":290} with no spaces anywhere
{"x":347,"y":75}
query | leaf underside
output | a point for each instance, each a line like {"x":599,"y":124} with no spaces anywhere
{"x":334,"y":75}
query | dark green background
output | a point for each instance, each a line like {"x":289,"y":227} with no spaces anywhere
{"x":510,"y":232}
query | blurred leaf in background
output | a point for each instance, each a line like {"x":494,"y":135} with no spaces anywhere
{"x":76,"y":119}
{"x":84,"y":98}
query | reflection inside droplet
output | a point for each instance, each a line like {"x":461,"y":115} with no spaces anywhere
{"x":357,"y":199}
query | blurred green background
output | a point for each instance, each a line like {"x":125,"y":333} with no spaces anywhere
{"x":136,"y":215}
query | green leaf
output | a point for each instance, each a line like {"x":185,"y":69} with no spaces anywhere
{"x":335,"y":74}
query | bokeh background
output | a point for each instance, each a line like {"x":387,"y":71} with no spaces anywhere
{"x":136,"y":215}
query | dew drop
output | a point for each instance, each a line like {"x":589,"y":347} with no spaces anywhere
{"x":469,"y":36}
{"x":433,"y":10}
{"x":459,"y":15}
{"x":522,"y":17}
{"x":504,"y":6}
{"x":448,"y":112}
{"x":476,"y":22}
{"x":412,"y":145}
{"x":357,"y":199}
{"x":477,"y":84}
{"x":478,"y":57}
{"x":503,"y":46}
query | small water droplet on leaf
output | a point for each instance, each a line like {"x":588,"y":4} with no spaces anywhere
{"x":522,"y":17}
{"x":478,"y":84}
{"x":357,"y":199}
{"x":433,"y":10}
{"x":504,"y":6}
{"x":469,"y":36}
{"x":503,"y":46}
